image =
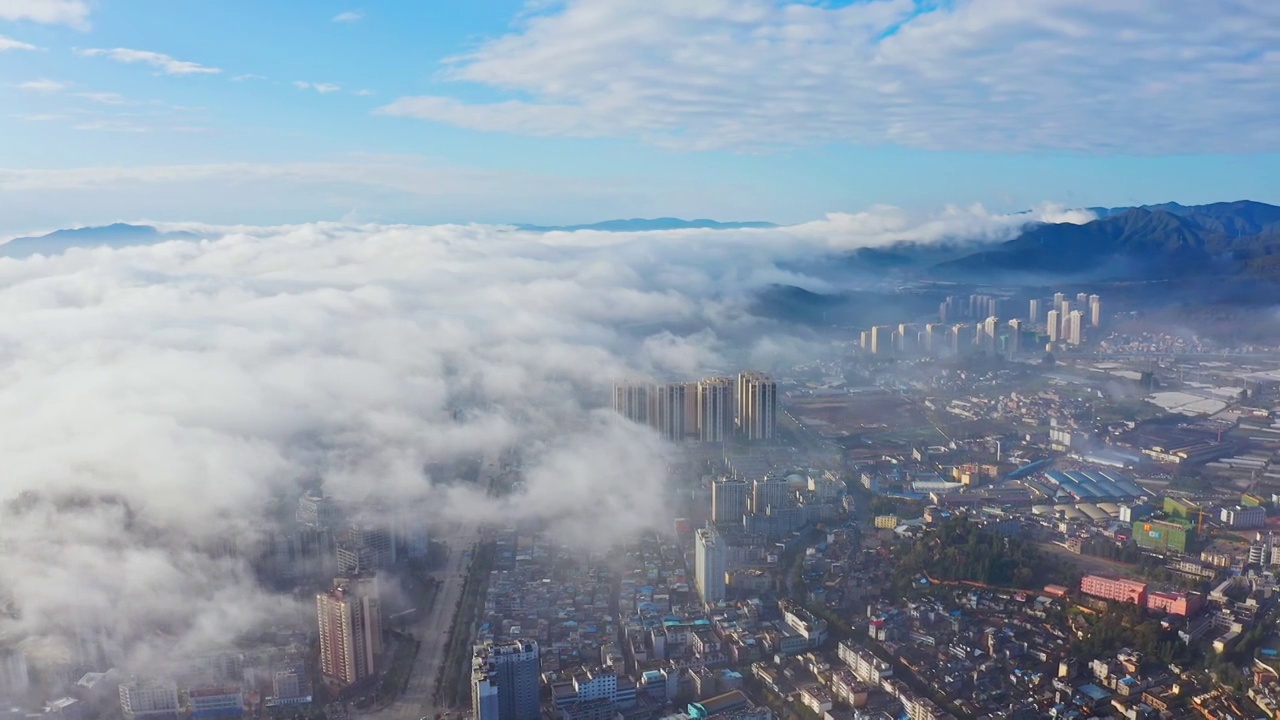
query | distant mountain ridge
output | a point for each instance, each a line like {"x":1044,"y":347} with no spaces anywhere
{"x":115,"y":236}
{"x":649,"y":224}
{"x":1156,"y":242}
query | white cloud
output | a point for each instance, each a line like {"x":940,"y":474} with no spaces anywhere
{"x":43,"y":85}
{"x":106,"y":98}
{"x":1137,"y":76}
{"x":401,"y":188}
{"x":160,"y":61}
{"x":116,"y":125}
{"x":171,"y":394}
{"x":349,"y":16}
{"x":322,"y":88}
{"x":7,"y":43}
{"x":52,"y":12}
{"x":363,"y":92}
{"x":248,"y":76}
{"x":39,"y":117}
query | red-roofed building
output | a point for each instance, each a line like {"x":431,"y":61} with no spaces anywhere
{"x":1174,"y":603}
{"x":1119,"y":589}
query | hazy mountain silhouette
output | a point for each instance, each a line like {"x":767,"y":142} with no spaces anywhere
{"x":115,"y":236}
{"x":642,"y":224}
{"x":1147,"y":243}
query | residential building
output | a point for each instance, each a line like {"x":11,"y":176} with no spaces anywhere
{"x":1174,"y":603}
{"x":933,"y":339}
{"x":315,"y":510}
{"x":668,"y":413}
{"x":365,"y":548}
{"x":631,"y":401}
{"x":709,"y":566}
{"x":350,"y":622}
{"x":215,"y":701}
{"x":149,"y":700}
{"x":1118,"y":589}
{"x":1016,"y":328}
{"x":1053,"y":324}
{"x":757,"y":406}
{"x":289,"y":682}
{"x":1075,"y":328}
{"x":989,"y":334}
{"x":881,"y":340}
{"x":771,"y":492}
{"x":505,"y":678}
{"x":728,"y":500}
{"x":484,"y":692}
{"x":715,"y":409}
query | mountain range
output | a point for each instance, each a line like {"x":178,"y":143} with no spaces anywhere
{"x":1156,"y":242}
{"x":114,"y":236}
{"x":1167,"y":242}
{"x":643,"y":225}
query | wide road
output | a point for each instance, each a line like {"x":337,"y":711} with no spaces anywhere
{"x":432,"y":627}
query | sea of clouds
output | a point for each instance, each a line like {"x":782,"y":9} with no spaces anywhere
{"x":160,"y":399}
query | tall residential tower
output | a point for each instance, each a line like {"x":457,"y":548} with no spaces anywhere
{"x":757,"y":406}
{"x":350,"y":621}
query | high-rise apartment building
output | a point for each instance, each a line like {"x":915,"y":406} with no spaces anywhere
{"x":908,"y":334}
{"x":1033,"y":312}
{"x":715,"y":409}
{"x":957,"y":338}
{"x":990,"y":334}
{"x":149,"y":699}
{"x":757,"y":406}
{"x":933,"y":339}
{"x":1075,"y":328}
{"x":729,"y":500}
{"x":364,"y":549}
{"x":1053,"y":324}
{"x":504,"y":681}
{"x":1095,"y":311}
{"x":881,"y":340}
{"x":709,"y":566}
{"x":316,"y":511}
{"x":1015,"y":336}
{"x":484,"y":692}
{"x":771,"y":492}
{"x":667,"y":414}
{"x":631,"y":401}
{"x":350,"y":621}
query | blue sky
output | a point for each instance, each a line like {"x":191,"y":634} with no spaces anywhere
{"x":505,"y":111}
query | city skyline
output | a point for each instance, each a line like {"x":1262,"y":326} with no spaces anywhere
{"x":515,"y":111}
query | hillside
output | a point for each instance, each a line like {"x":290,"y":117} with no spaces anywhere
{"x":1148,"y":243}
{"x":643,"y":225}
{"x":117,"y":235}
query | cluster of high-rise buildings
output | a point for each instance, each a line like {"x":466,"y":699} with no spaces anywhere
{"x":1065,"y":319}
{"x":712,"y":410}
{"x":325,"y":540}
{"x":1059,"y":320}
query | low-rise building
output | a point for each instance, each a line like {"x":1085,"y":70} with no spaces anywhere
{"x":1118,"y":589}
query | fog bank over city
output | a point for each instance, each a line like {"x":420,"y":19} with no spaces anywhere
{"x":163,"y":400}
